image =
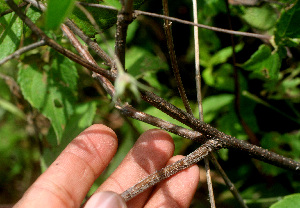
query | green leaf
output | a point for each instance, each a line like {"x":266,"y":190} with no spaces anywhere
{"x":105,"y":18}
{"x":34,"y":14}
{"x":51,"y":91}
{"x":180,"y":143}
{"x":288,"y":24}
{"x":139,"y":62}
{"x":223,"y":55}
{"x":65,"y":72}
{"x":264,"y":64}
{"x":4,"y":6}
{"x":143,"y":64}
{"x":216,"y":77}
{"x":229,"y":123}
{"x":213,"y":104}
{"x":275,"y":142}
{"x":82,"y":118}
{"x":57,"y":11}
{"x":290,"y":201}
{"x":11,"y":29}
{"x":262,"y":18}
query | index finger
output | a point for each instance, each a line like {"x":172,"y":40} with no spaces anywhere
{"x":68,"y":179}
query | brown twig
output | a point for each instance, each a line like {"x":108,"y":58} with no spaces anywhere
{"x":123,"y":20}
{"x":199,"y":101}
{"x":25,"y":49}
{"x":227,"y":181}
{"x":172,"y":169}
{"x":10,"y":10}
{"x":173,"y":59}
{"x":56,"y":46}
{"x":205,"y":129}
{"x":106,"y":84}
{"x":237,"y":101}
{"x":211,"y":132}
{"x":131,"y":112}
{"x":94,"y":46}
{"x":208,"y":134}
{"x":173,"y":19}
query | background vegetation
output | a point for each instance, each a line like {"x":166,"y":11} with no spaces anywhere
{"x":46,"y":99}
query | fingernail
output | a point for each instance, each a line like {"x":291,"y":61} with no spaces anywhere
{"x":106,"y":199}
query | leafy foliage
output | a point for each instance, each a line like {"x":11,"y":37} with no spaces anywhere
{"x":264,"y":64}
{"x":57,"y":11}
{"x":104,"y":18}
{"x":51,"y":91}
{"x":11,"y":29}
{"x":288,"y":201}
{"x":58,"y":99}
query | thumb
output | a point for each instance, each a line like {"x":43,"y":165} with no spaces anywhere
{"x":106,"y":199}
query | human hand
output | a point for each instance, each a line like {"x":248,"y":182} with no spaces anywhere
{"x":67,"y":181}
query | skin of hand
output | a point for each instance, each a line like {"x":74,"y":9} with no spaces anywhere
{"x":68,"y":179}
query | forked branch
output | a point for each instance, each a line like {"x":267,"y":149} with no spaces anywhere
{"x":210,"y":137}
{"x":174,"y":19}
{"x":172,"y":169}
{"x":205,"y":129}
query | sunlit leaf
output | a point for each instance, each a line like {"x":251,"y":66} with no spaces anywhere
{"x":104,"y":18}
{"x":290,"y":201}
{"x":4,"y":6}
{"x":288,"y":24}
{"x":50,"y":91}
{"x":57,"y":11}
{"x":139,"y":62}
{"x":264,"y":64}
{"x":262,"y":18}
{"x":11,"y":29}
{"x":213,"y":104}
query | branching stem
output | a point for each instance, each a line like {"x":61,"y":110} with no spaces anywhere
{"x":173,"y":19}
{"x":56,"y":46}
{"x":210,"y":138}
{"x":170,"y":170}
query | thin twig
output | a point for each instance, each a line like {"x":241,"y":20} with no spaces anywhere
{"x":170,"y":170}
{"x":173,"y":59}
{"x":94,"y":46}
{"x":131,"y":112}
{"x":56,"y":46}
{"x":10,"y":11}
{"x":209,"y":183}
{"x":211,"y":132}
{"x":227,"y":181}
{"x":25,"y":49}
{"x":13,"y":85}
{"x":237,"y":101}
{"x":199,"y":100}
{"x":173,"y":19}
{"x":106,"y":84}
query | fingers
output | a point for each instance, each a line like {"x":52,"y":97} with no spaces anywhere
{"x":177,"y":191}
{"x":151,"y":152}
{"x":68,"y":179}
